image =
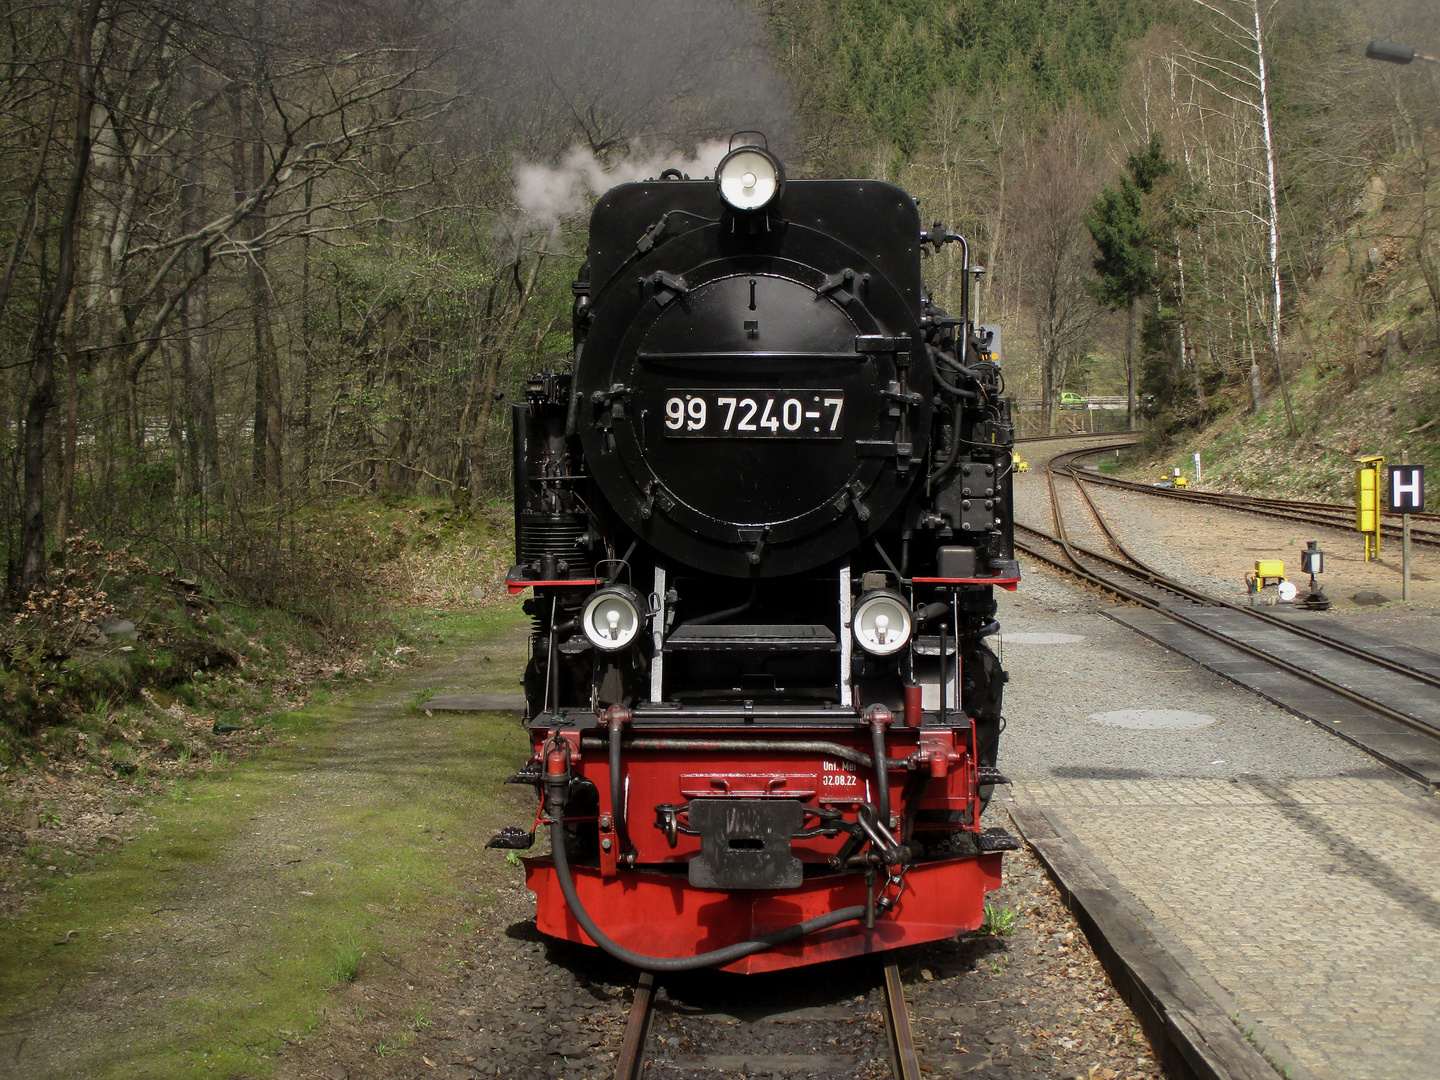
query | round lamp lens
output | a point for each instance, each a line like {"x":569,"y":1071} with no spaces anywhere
{"x":611,"y":618}
{"x":882,"y":623}
{"x":749,"y":179}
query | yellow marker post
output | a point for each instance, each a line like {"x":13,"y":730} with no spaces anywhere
{"x":1367,"y":495}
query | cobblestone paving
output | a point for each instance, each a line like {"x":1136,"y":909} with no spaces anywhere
{"x":1315,"y":903}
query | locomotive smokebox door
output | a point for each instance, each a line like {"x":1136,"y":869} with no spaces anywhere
{"x":745,"y":843}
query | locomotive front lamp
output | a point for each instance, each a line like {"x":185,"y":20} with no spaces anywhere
{"x":749,"y":178}
{"x":611,"y":617}
{"x":882,"y":622}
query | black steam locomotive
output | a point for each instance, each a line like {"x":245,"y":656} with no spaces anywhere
{"x":763,"y":514}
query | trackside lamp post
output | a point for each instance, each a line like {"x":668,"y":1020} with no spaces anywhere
{"x":1312,"y":562}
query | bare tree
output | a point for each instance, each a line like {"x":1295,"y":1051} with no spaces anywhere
{"x":1243,"y":79}
{"x":42,"y":366}
{"x":1055,"y":249}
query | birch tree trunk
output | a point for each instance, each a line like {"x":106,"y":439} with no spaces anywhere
{"x":1247,"y":85}
{"x":1272,"y":221}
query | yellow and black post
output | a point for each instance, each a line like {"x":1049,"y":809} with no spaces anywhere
{"x":1367,"y":501}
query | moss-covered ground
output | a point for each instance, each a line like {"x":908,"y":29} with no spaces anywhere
{"x":224,"y":914}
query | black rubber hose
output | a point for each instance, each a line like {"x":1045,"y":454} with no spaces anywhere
{"x":715,"y":958}
{"x":882,"y":774}
{"x":955,"y":391}
{"x":951,"y":454}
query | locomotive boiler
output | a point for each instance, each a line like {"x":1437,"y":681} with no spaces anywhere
{"x":763,"y":512}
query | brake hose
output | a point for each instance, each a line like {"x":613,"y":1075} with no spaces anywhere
{"x":716,"y":958}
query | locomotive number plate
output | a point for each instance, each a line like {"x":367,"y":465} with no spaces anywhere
{"x":755,"y":414}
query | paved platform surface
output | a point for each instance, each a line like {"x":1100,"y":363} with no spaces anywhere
{"x":1295,"y":879}
{"x":1315,"y":904}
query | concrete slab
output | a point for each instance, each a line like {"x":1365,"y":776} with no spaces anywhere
{"x":1391,"y":742}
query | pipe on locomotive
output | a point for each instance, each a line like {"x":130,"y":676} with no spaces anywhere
{"x":557,"y":783}
{"x":797,"y":746}
{"x":880,"y":718}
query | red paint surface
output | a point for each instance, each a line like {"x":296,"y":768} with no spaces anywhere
{"x":572,"y":583}
{"x":659,"y":914}
{"x":659,"y":777}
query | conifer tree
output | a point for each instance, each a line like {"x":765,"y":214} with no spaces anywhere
{"x":1125,"y":235}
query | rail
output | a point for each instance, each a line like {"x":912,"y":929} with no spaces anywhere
{"x":1136,"y":569}
{"x":904,"y":1055}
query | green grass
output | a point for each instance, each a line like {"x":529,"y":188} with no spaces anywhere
{"x":374,"y":878}
{"x":345,"y":963}
{"x":999,"y":920}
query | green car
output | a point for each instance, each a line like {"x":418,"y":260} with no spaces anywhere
{"x":1070,"y":401}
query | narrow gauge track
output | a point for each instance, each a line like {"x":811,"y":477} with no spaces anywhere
{"x":904,"y":1059}
{"x":1331,"y":515}
{"x":1128,"y":435}
{"x":1131,"y":579}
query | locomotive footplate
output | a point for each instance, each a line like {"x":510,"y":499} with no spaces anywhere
{"x":745,"y":843}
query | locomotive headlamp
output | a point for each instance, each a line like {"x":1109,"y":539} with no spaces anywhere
{"x":611,"y":617}
{"x":882,"y":622}
{"x":749,"y":178}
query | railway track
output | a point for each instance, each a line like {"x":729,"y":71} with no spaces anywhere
{"x":1424,"y":528}
{"x":904,"y":1058}
{"x":1402,"y":689}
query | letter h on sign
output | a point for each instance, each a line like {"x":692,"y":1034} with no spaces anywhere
{"x":1407,"y":489}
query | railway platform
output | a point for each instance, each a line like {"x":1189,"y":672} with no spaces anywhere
{"x":1269,"y":894}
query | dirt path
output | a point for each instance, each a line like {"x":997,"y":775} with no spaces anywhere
{"x":223,"y":934}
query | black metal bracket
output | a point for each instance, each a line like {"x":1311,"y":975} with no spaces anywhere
{"x":667,"y":820}
{"x":653,"y":234}
{"x":879,"y":343}
{"x":833,"y":283}
{"x":512,"y":838}
{"x":997,"y":840}
{"x":667,"y":286}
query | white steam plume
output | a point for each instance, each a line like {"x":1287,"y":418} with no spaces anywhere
{"x":545,"y":194}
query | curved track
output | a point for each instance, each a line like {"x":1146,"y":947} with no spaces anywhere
{"x":1424,"y":528}
{"x":1348,"y":670}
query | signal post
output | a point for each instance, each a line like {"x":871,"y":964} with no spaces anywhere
{"x":1405,"y":496}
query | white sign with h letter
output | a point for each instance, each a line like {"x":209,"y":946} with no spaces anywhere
{"x":1407,"y":489}
{"x":1407,"y":496}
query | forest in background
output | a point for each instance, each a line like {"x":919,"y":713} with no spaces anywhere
{"x":260,"y":256}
